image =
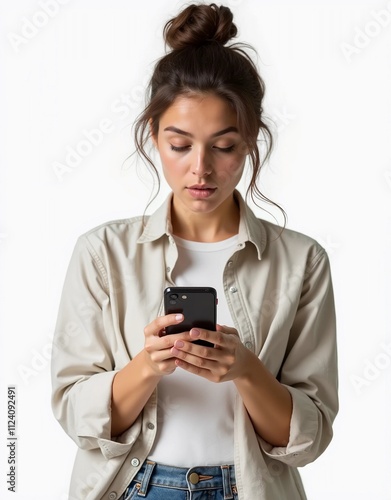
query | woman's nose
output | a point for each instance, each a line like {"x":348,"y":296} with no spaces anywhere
{"x":202,"y":165}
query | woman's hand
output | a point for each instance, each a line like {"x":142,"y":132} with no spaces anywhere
{"x":225,"y":361}
{"x":134,"y":384}
{"x":268,"y":402}
{"x":157,"y":348}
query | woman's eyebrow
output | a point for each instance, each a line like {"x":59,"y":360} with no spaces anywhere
{"x":188,"y":134}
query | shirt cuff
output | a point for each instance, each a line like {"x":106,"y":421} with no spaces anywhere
{"x":304,"y":432}
{"x":93,"y":417}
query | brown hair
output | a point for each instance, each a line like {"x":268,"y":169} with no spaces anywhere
{"x":200,"y":63}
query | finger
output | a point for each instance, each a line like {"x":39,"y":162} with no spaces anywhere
{"x":189,"y":351}
{"x":191,"y":359}
{"x":164,"y":343}
{"x":159,"y":324}
{"x":202,"y":367}
{"x":197,"y":355}
{"x":158,"y":355}
{"x":196,"y":370}
{"x":163,"y":366}
{"x":227,"y":329}
{"x":214,"y":337}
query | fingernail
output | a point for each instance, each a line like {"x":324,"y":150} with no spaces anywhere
{"x":179,"y":343}
{"x":194,"y":333}
{"x":178,"y":317}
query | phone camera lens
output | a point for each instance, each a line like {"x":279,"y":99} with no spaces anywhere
{"x":173,"y":296}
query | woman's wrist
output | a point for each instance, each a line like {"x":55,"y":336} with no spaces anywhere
{"x":267,"y":401}
{"x":131,"y":389}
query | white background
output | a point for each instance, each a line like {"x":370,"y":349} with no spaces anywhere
{"x":327,"y":68}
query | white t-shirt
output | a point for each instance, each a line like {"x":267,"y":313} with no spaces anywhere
{"x":196,"y":416}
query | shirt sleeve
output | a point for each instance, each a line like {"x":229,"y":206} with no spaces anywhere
{"x":83,"y":365}
{"x":309,"y":371}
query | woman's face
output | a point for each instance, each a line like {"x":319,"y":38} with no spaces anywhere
{"x":201,"y":151}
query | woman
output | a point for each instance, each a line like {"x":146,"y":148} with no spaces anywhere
{"x":158,"y":416}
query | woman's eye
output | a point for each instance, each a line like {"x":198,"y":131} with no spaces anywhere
{"x":228,"y":149}
{"x":179,"y":148}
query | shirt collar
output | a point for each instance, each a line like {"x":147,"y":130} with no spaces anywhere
{"x":158,"y":224}
{"x":251,"y":229}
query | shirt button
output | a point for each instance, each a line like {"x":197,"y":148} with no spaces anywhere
{"x":135,"y":462}
{"x":168,"y":269}
{"x":233,"y":289}
{"x":112,"y":495}
{"x":249,"y":345}
{"x":230,"y":263}
{"x":150,"y":426}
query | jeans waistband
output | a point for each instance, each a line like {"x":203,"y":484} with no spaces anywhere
{"x":190,"y":479}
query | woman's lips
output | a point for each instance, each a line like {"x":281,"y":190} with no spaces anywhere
{"x":200,"y":192}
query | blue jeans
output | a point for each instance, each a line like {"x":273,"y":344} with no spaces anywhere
{"x":162,"y":482}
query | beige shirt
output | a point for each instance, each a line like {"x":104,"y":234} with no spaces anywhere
{"x":279,"y":291}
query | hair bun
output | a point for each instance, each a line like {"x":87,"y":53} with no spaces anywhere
{"x":198,"y":25}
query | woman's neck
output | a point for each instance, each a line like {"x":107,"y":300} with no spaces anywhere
{"x":206,"y":227}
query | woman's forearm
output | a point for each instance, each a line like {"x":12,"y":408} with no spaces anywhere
{"x":131,"y":389}
{"x":268,"y":403}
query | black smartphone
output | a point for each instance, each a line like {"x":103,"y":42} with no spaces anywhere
{"x":198,"y":306}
